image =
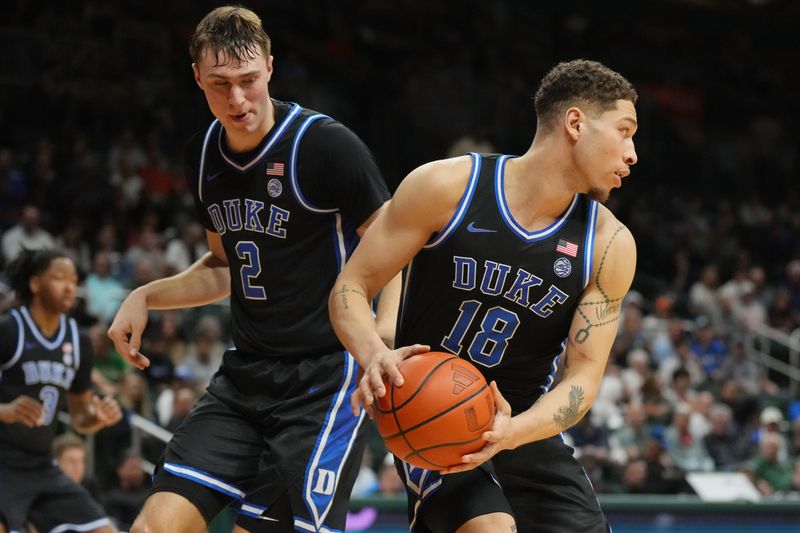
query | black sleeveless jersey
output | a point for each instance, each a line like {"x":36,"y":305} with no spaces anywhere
{"x":491,"y":292}
{"x":44,"y":369}
{"x":287,"y":212}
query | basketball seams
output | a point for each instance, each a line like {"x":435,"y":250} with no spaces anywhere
{"x":434,"y":417}
{"x":421,"y":386}
{"x":426,"y":390}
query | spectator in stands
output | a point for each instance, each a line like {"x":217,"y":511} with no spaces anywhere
{"x":770,"y":473}
{"x":104,"y":292}
{"x":725,"y":445}
{"x":703,"y":297}
{"x":69,"y":452}
{"x":683,"y":357}
{"x":708,"y":346}
{"x":628,"y":442}
{"x":748,"y":374}
{"x":686,"y":451}
{"x":27,"y":234}
{"x":656,"y":406}
{"x":204,"y":354}
{"x":634,"y":376}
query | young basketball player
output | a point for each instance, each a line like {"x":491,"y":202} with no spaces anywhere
{"x":45,"y":362}
{"x":284,"y":192}
{"x":508,"y":262}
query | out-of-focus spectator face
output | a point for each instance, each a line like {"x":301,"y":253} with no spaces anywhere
{"x":681,"y":417}
{"x":720,"y":420}
{"x":102,"y":264}
{"x":30,"y":218}
{"x":72,"y":462}
{"x":133,"y":387}
{"x":635,"y":414}
{"x":710,"y":276}
{"x":652,"y":451}
{"x":635,"y":475}
{"x":130,"y":473}
{"x":769,"y":446}
{"x":184,"y":401}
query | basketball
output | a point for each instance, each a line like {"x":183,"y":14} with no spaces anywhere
{"x":438,"y":414}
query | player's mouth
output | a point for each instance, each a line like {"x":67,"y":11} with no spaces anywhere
{"x":621,"y":174}
{"x":241,"y":117}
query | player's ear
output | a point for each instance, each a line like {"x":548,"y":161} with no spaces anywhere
{"x":269,"y":68}
{"x":196,"y":71}
{"x":33,"y":284}
{"x":573,"y":122}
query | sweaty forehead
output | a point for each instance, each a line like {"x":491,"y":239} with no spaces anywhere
{"x":61,"y":265}
{"x":625,"y":109}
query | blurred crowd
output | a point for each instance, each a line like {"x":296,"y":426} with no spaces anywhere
{"x":92,"y":164}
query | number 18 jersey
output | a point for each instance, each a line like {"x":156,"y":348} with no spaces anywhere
{"x":488,"y":290}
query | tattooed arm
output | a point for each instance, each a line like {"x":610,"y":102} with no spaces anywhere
{"x":591,"y":334}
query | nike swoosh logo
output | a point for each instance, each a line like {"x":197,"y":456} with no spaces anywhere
{"x":472,"y":229}
{"x":212,"y":177}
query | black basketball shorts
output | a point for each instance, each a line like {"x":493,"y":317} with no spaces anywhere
{"x":48,"y":499}
{"x":541,"y":484}
{"x":286,"y":456}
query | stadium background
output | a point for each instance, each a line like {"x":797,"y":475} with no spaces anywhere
{"x":97,"y":99}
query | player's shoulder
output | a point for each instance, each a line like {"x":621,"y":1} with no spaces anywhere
{"x":609,"y":228}
{"x":8,"y":323}
{"x":443,"y":175}
{"x":326,"y":135}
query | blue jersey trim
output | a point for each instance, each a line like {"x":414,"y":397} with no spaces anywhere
{"x":204,"y":478}
{"x":298,"y":195}
{"x":200,"y":174}
{"x":59,"y":336}
{"x":267,"y":147}
{"x":301,"y":524}
{"x":20,"y":341}
{"x":508,"y":218}
{"x":461,"y":210}
{"x":588,"y":253}
{"x":76,"y":343}
{"x":333,"y":445}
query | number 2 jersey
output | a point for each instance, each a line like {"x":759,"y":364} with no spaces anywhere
{"x":45,"y":369}
{"x":488,"y":290}
{"x":287,"y":212}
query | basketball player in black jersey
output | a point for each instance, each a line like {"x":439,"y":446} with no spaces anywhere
{"x":511,"y":261}
{"x":43,"y":360}
{"x":284,"y":193}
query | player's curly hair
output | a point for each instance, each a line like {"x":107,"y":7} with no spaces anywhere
{"x":27,"y":264}
{"x":590,"y":85}
{"x":234,"y":31}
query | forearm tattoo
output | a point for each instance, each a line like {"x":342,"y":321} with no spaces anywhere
{"x":602,"y":312}
{"x":344,"y":291}
{"x":567,"y":415}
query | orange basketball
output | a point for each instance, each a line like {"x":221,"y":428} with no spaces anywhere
{"x":440,"y":412}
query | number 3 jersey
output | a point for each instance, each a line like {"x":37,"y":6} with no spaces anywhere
{"x":490,"y":291}
{"x":45,"y":369}
{"x":287,"y":212}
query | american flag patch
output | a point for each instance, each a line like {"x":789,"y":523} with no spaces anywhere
{"x":275,"y":169}
{"x":566,"y":247}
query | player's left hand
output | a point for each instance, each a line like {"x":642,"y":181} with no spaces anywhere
{"x":106,"y":410}
{"x":500,"y":437}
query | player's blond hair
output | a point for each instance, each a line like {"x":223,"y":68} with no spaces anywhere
{"x":231,"y":34}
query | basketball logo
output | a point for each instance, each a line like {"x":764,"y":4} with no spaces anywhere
{"x":562,"y":267}
{"x":274,"y":187}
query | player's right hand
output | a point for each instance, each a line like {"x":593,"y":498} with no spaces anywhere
{"x":384,"y":363}
{"x":126,"y":330}
{"x":24,"y":410}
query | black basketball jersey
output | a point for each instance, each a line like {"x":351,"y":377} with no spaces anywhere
{"x":491,"y":292}
{"x":287,"y":212}
{"x":44,"y":369}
